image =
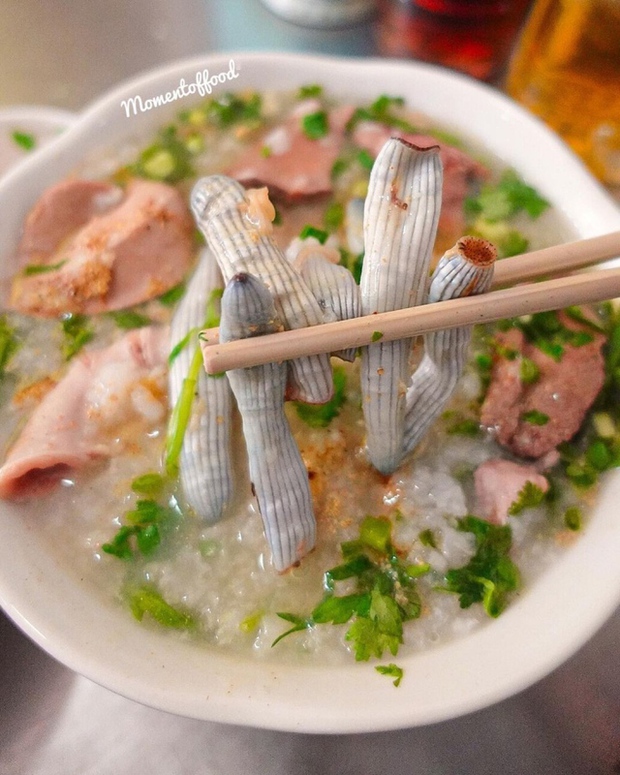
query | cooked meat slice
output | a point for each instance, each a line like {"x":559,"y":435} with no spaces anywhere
{"x":133,"y":252}
{"x":291,"y":164}
{"x":498,"y":484}
{"x":532,"y":419}
{"x":81,"y":419}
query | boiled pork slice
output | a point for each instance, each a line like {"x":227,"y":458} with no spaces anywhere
{"x":123,"y":256}
{"x":293,"y":166}
{"x":563,"y":393}
{"x":83,"y":418}
{"x":498,"y":484}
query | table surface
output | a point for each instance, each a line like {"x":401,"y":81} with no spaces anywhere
{"x":52,"y":722}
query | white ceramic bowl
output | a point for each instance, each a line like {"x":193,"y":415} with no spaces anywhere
{"x":536,"y":633}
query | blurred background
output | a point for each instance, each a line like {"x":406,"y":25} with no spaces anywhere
{"x":565,"y":66}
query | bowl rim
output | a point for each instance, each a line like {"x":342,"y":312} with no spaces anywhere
{"x":215,"y":686}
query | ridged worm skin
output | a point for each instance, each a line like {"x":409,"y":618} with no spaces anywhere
{"x":277,"y":471}
{"x":464,"y":270}
{"x":205,"y":460}
{"x":240,"y":236}
{"x":400,"y":224}
{"x":332,"y":284}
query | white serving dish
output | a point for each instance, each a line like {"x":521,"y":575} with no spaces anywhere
{"x":537,"y":632}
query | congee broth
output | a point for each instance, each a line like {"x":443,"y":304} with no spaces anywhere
{"x":102,"y":387}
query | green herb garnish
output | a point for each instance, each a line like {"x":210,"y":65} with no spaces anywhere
{"x":25,"y":140}
{"x":384,"y":597}
{"x":573,"y":518}
{"x":309,"y":90}
{"x":9,"y":343}
{"x":427,"y":538}
{"x":230,"y":109}
{"x":529,"y":496}
{"x":170,"y":297}
{"x":147,"y":600}
{"x":320,"y":415}
{"x":534,"y":417}
{"x":384,"y":110}
{"x":490,"y":575}
{"x":334,"y":216}
{"x":167,"y":159}
{"x":315,"y":125}
{"x":528,"y":371}
{"x":143,"y":530}
{"x":391,"y":670}
{"x":311,"y":231}
{"x":376,"y":336}
{"x":34,"y":269}
{"x":128,"y":319}
{"x":77,"y":333}
{"x":505,"y":199}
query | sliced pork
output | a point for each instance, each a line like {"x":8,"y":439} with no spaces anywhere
{"x":498,"y":484}
{"x":86,"y":415}
{"x":132,"y":252}
{"x":291,"y":164}
{"x":532,"y":419}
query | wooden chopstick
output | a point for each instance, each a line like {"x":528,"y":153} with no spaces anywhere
{"x":583,"y":288}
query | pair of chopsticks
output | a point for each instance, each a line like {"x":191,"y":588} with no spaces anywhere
{"x":583,"y":288}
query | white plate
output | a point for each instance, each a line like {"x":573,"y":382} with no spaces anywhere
{"x":536,"y":633}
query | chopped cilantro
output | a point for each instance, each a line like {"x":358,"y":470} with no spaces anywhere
{"x":461,"y":426}
{"x":376,"y":336}
{"x":534,"y":417}
{"x":230,"y":109}
{"x":312,"y":231}
{"x":148,"y":484}
{"x":320,"y":415}
{"x":384,"y":598}
{"x":128,"y":319}
{"x":529,"y":496}
{"x":365,"y":159}
{"x":427,"y":538}
{"x":315,"y":125}
{"x":384,"y":110}
{"x":528,"y":371}
{"x":143,"y":530}
{"x":266,"y":151}
{"x":334,"y":216}
{"x":77,"y":333}
{"x":573,"y":518}
{"x":598,"y":455}
{"x":25,"y":140}
{"x":490,"y":575}
{"x":338,"y":167}
{"x":391,"y":670}
{"x":147,"y":600}
{"x":505,"y":199}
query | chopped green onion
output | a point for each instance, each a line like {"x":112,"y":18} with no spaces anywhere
{"x":34,"y":269}
{"x":25,"y":140}
{"x":128,"y":319}
{"x":315,"y":125}
{"x":534,"y":417}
